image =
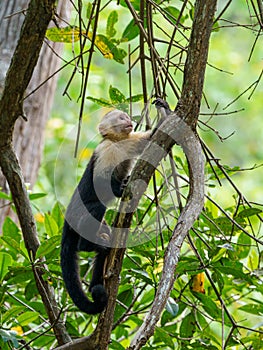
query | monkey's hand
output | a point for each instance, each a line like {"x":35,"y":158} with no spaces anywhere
{"x":161,"y":104}
{"x":163,"y":109}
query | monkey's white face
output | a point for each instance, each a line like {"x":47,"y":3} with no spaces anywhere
{"x":115,"y":124}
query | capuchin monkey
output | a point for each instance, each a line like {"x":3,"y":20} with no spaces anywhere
{"x":104,"y":179}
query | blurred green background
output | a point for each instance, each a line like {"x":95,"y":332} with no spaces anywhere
{"x":230,"y":72}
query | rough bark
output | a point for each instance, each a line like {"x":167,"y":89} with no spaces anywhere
{"x":28,"y":138}
{"x":178,"y":128}
{"x":38,"y":16}
{"x":186,"y":138}
{"x":188,"y":110}
{"x":180,"y":132}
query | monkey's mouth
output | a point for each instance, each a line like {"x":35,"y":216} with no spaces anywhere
{"x":129,"y":127}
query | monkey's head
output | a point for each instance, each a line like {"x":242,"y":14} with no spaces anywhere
{"x":115,"y":125}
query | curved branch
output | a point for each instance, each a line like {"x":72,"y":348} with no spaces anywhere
{"x":187,"y":108}
{"x":173,"y":130}
{"x":187,"y":139}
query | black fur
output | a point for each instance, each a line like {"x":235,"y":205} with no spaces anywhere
{"x":85,"y":213}
{"x":84,"y":227}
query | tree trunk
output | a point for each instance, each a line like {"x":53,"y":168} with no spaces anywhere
{"x":28,"y":138}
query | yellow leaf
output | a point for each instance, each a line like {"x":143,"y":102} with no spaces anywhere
{"x":39,"y":217}
{"x":103,"y":44}
{"x":159,"y":267}
{"x":198,"y":283}
{"x":67,"y":34}
{"x":18,"y":330}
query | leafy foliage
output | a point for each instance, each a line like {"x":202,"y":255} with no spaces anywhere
{"x":217,"y":296}
{"x":117,"y":99}
{"x":229,"y":269}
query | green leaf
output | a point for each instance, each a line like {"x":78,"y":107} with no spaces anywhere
{"x":135,"y":4}
{"x":224,"y":224}
{"x":116,"y":345}
{"x":187,"y":327}
{"x":5,"y":262}
{"x":233,"y":268}
{"x":4,"y":195}
{"x":119,"y":54}
{"x":208,"y":305}
{"x":49,"y":246}
{"x":192,"y":13}
{"x":57,"y":214}
{"x":201,"y":320}
{"x":188,"y":264}
{"x":173,"y":13}
{"x":111,"y":21}
{"x":67,"y":34}
{"x":50,"y":225}
{"x":135,"y":98}
{"x":20,"y":274}
{"x":14,"y":246}
{"x":125,"y":298}
{"x":132,"y":263}
{"x":109,"y":49}
{"x":27,"y":317}
{"x":34,"y":196}
{"x":216,"y":26}
{"x":31,"y":291}
{"x":130,"y":32}
{"x":88,"y":11}
{"x":160,"y":335}
{"x":124,"y":288}
{"x":147,"y":297}
{"x":249,"y":212}
{"x":217,"y":277}
{"x":100,"y":101}
{"x":121,"y":332}
{"x":135,"y":319}
{"x":221,"y":252}
{"x":253,"y":309}
{"x":142,"y":275}
{"x":12,"y":313}
{"x":243,"y":246}
{"x":10,"y":229}
{"x":116,"y":96}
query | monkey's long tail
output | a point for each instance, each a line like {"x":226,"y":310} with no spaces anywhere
{"x":70,"y":273}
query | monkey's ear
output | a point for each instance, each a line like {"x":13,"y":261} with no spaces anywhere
{"x":102,"y":130}
{"x":104,"y":126}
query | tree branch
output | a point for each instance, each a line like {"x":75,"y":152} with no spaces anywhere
{"x":194,"y":72}
{"x":186,"y":138}
{"x":39,"y":14}
{"x":173,"y":130}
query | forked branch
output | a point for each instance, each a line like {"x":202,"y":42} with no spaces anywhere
{"x":178,"y":128}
